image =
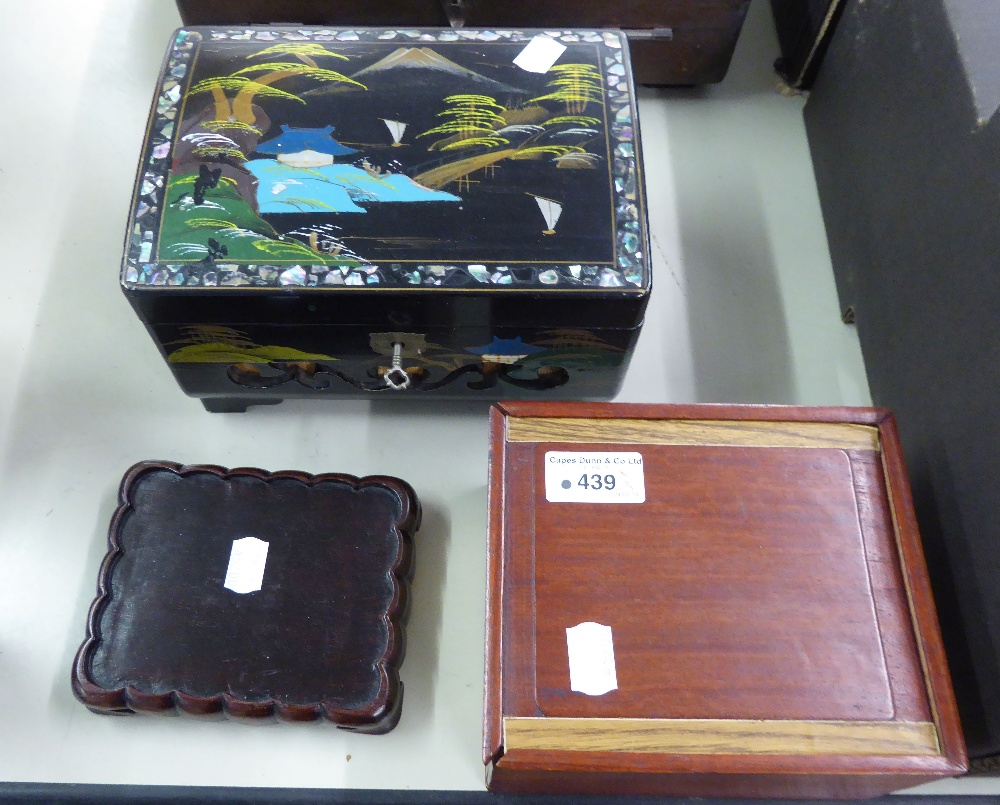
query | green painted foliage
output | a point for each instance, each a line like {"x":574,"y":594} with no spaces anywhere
{"x":221,"y":352}
{"x":228,"y":219}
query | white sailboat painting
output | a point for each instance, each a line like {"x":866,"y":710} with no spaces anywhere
{"x":551,"y":210}
{"x":396,"y":129}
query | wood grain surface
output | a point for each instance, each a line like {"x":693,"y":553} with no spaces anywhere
{"x":527,"y":771}
{"x":693,"y":432}
{"x":727,"y":595}
{"x":496,"y":506}
{"x":707,"y":411}
{"x":689,"y":736}
{"x":772,"y":623}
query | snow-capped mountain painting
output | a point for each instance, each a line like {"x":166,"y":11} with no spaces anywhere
{"x":349,"y":153}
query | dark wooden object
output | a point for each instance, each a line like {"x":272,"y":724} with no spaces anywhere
{"x":312,"y":12}
{"x":322,"y":638}
{"x":671,"y":41}
{"x":804,"y":29}
{"x":773,"y":627}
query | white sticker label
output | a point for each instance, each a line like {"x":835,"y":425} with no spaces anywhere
{"x":594,"y":477}
{"x":245,"y":573}
{"x":591,"y":659}
{"x":539,"y":55}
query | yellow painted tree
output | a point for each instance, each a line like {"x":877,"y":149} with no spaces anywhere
{"x":248,"y":84}
{"x":575,"y":86}
{"x":470,"y":120}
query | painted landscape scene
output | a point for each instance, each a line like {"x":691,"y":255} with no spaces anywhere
{"x":383,"y":152}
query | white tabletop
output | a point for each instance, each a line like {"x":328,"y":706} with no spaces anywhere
{"x":743,"y":310}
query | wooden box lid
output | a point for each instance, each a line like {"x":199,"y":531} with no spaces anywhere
{"x":765,"y":622}
{"x":253,"y":595}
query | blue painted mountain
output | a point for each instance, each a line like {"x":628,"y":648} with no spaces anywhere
{"x":332,"y":188}
{"x":292,"y":140}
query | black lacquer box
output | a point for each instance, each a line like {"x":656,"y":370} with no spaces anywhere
{"x":252,"y":595}
{"x":391,"y":212}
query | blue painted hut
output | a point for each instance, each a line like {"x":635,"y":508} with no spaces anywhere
{"x":505,"y":350}
{"x":304,"y":148}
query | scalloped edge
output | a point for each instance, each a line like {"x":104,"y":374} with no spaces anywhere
{"x":380,"y":715}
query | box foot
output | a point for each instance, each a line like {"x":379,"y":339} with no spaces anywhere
{"x":233,"y":405}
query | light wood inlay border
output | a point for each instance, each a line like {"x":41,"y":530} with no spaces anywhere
{"x":714,"y":433}
{"x":692,"y":736}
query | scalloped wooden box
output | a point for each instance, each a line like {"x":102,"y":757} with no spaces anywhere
{"x":772,"y":624}
{"x":322,"y":637}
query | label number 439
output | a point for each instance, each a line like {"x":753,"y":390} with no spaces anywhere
{"x":596,"y":481}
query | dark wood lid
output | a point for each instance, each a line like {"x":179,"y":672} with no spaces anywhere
{"x":320,"y":636}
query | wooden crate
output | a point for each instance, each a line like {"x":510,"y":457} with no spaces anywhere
{"x":758,"y":575}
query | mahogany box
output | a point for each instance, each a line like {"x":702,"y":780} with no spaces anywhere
{"x":672,"y":41}
{"x":252,"y":595}
{"x":376,"y":212}
{"x":708,"y":601}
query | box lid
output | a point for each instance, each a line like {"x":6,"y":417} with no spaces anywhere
{"x":671,"y":586}
{"x":483,"y":163}
{"x":252,"y":594}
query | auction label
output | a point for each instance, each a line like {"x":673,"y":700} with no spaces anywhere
{"x":594,"y":477}
{"x":540,"y":54}
{"x":247,"y":559}
{"x":591,"y":650}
